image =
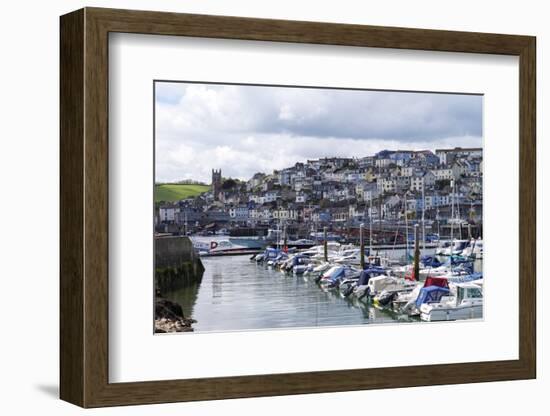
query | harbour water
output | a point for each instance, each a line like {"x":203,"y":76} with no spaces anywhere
{"x":238,"y":294}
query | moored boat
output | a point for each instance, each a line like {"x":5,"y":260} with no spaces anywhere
{"x":467,"y":303}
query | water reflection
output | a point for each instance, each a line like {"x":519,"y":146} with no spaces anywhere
{"x":186,"y":297}
{"x":236,"y":294}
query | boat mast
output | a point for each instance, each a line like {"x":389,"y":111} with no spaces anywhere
{"x":279,"y":232}
{"x":459,"y":221}
{"x":416,"y":254}
{"x":370,"y":225}
{"x":423,"y":218}
{"x":325,"y":244}
{"x":406,"y":229}
{"x":362,"y":246}
{"x":452,"y":211}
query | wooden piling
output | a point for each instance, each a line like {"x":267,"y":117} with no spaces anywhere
{"x":325,"y":244}
{"x":362,"y":245}
{"x":416,"y":254}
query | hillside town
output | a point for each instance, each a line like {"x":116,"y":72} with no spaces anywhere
{"x":442,"y":188}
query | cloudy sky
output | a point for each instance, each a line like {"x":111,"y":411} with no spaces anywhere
{"x":244,"y":129}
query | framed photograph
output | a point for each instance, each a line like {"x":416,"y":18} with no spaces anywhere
{"x":254,"y":207}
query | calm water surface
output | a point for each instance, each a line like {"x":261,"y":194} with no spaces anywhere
{"x":237,"y":294}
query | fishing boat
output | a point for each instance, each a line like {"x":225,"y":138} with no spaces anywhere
{"x":467,"y":303}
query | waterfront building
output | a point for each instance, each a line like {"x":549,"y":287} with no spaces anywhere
{"x":239,"y":213}
{"x":167,"y":213}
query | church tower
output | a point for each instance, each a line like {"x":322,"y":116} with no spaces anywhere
{"x":216,"y":183}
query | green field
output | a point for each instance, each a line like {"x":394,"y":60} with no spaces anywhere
{"x":170,"y":192}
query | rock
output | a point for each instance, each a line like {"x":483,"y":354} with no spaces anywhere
{"x":165,"y":308}
{"x":169,"y":317}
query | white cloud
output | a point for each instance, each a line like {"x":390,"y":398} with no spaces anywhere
{"x":245,"y":129}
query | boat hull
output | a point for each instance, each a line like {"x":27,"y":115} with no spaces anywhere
{"x":452,"y":313}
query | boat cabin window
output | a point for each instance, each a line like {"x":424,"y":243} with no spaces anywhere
{"x":460,"y":292}
{"x":474,"y":293}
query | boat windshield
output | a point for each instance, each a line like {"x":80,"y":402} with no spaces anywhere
{"x":470,"y":292}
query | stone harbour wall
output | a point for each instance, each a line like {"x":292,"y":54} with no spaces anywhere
{"x":176,"y":263}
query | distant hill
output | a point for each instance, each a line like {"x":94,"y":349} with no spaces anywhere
{"x":170,"y":192}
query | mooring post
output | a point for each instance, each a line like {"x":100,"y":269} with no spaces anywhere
{"x":416,"y":254}
{"x":325,"y":244}
{"x":362,"y":245}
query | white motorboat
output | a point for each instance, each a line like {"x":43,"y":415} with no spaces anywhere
{"x":351,"y":256}
{"x":378,"y":284}
{"x":318,"y":269}
{"x":318,"y":252}
{"x":224,"y":247}
{"x":337,"y":273}
{"x":467,"y":303}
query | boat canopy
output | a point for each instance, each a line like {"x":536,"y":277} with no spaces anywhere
{"x":300,"y":259}
{"x":430,"y":261}
{"x":369,"y":272}
{"x":466,"y":278}
{"x":336,"y":273}
{"x":271,"y":253}
{"x":436,"y":281}
{"x":431,"y":294}
{"x":455,"y":259}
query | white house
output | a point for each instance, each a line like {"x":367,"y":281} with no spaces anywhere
{"x":285,"y":214}
{"x":385,"y":185}
{"x":239,"y":213}
{"x":167,"y":213}
{"x":382,"y":163}
{"x":443,"y":174}
{"x":419,"y":182}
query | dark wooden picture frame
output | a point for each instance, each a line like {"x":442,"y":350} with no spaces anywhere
{"x":84,"y":207}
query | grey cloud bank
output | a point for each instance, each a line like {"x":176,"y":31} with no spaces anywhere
{"x":247,"y":129}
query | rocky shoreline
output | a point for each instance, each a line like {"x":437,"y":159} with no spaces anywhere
{"x":169,"y":317}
